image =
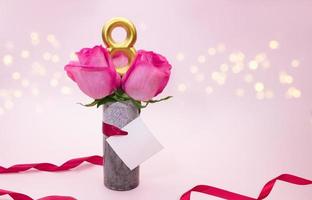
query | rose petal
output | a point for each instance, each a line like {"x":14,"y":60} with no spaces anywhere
{"x":96,"y":82}
{"x":120,"y":60}
{"x":147,"y":77}
{"x":96,"y":56}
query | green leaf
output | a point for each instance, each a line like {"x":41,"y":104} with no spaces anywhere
{"x":158,"y":100}
{"x":106,"y":100}
{"x":136,"y":103}
{"x":93,"y":103}
{"x":120,"y":96}
{"x":153,"y":101}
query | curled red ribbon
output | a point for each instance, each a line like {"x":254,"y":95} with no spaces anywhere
{"x":111,"y":130}
{"x":224,"y":194}
{"x":95,"y":160}
{"x":108,"y":129}
{"x":20,"y":196}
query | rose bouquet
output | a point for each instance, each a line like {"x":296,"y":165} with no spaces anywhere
{"x":96,"y":75}
{"x":123,"y":81}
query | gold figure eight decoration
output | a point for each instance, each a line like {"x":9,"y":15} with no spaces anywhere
{"x":125,"y":47}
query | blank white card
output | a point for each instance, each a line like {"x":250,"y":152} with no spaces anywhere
{"x":136,"y":147}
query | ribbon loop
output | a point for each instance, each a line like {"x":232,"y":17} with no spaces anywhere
{"x":110,"y":130}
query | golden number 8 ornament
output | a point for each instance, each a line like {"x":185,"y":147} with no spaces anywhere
{"x":125,"y":47}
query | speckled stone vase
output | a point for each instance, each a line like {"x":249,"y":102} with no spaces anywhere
{"x":117,"y":176}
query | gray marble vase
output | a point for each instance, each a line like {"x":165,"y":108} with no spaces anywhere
{"x":117,"y":176}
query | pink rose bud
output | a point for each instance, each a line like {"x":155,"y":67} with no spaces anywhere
{"x":147,"y":76}
{"x":94,"y":72}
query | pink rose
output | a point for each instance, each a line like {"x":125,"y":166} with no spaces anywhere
{"x":147,"y":76}
{"x":94,"y":72}
{"x":96,"y":76}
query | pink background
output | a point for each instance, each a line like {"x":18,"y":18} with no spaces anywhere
{"x":241,"y":81}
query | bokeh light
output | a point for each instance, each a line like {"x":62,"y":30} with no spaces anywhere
{"x":7,"y":59}
{"x":273,"y":44}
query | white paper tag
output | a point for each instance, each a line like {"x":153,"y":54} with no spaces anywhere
{"x":136,"y":147}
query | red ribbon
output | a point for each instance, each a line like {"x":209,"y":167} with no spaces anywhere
{"x":20,"y":196}
{"x":224,"y":194}
{"x":111,"y":130}
{"x":108,"y":129}
{"x":95,"y":160}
